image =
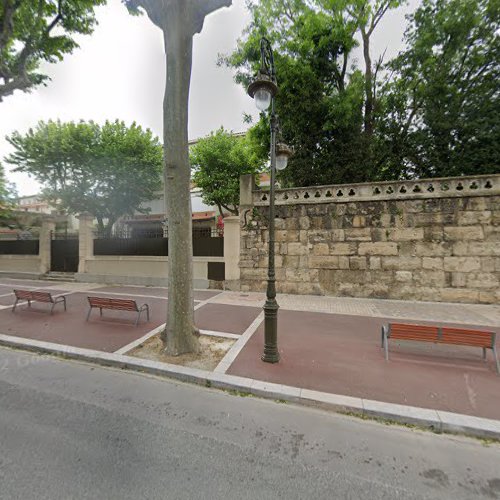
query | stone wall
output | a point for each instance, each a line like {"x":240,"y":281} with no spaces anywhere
{"x":436,"y":240}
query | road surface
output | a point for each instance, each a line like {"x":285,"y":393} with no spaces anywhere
{"x":70,"y":430}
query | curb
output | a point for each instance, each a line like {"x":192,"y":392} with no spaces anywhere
{"x":438,"y":421}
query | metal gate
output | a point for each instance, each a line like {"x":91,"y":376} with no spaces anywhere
{"x":64,"y":252}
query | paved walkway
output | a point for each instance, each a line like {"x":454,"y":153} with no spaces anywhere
{"x":326,"y":344}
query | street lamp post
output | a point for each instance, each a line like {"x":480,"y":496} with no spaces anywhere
{"x":262,"y":90}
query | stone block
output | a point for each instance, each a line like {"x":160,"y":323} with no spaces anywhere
{"x":318,"y":236}
{"x":343,"y":262}
{"x":337,"y":235}
{"x":291,"y":223}
{"x":470,"y":218}
{"x":358,"y":221}
{"x":321,"y":249}
{"x":357,"y":263}
{"x":401,"y":263}
{"x":291,"y":261}
{"x":463,"y":233}
{"x":484,"y":248}
{"x":433,"y":233}
{"x":432,"y":263}
{"x":488,"y":264}
{"x":297,"y":249}
{"x":378,"y":248}
{"x":406,"y":234}
{"x":434,"y":279}
{"x":458,"y":279}
{"x":433,"y":249}
{"x":324,"y":262}
{"x":459,"y":295}
{"x":487,"y":297}
{"x":342,"y":248}
{"x":358,"y":234}
{"x":304,"y":223}
{"x":403,"y":276}
{"x":462,"y":264}
{"x":301,"y":275}
{"x":482,"y":280}
{"x":379,"y":234}
{"x":375,"y":263}
{"x":492,"y":233}
{"x":281,"y":235}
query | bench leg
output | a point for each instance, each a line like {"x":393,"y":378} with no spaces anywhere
{"x":382,"y":338}
{"x":52,"y":308}
{"x":88,"y":314}
{"x":15,"y":304}
{"x":64,"y":302}
{"x":484,"y":354}
{"x":147,"y":311}
{"x":386,"y":345}
{"x":138,"y":317}
{"x":496,"y":359}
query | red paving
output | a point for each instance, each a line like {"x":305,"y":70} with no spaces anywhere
{"x":326,"y":352}
{"x":225,"y":318}
{"x":115,"y":330}
{"x":341,"y":354}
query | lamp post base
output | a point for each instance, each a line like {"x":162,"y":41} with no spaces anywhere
{"x":271,"y":354}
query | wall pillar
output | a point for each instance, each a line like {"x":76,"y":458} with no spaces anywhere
{"x":85,"y":240}
{"x":247,"y":185}
{"x":48,"y":225}
{"x":232,"y":251}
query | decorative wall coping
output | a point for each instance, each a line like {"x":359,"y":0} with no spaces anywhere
{"x":446,"y":187}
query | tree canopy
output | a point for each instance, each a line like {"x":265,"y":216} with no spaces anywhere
{"x":443,"y":100}
{"x":218,"y":161}
{"x":7,"y":196}
{"x":431,"y":111}
{"x":106,"y":170}
{"x":32,"y":32}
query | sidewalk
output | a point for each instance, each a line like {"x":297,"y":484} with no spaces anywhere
{"x":328,"y":345}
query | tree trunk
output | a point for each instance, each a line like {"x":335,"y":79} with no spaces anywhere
{"x":368,"y":119}
{"x":181,"y":335}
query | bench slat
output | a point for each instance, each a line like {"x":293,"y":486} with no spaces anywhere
{"x":115,"y":304}
{"x":445,"y":335}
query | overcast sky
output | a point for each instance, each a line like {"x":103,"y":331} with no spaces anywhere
{"x":118,"y":72}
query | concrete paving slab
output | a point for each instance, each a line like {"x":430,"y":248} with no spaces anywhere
{"x":341,"y":354}
{"x":465,"y":424}
{"x":409,"y":414}
{"x":332,"y":401}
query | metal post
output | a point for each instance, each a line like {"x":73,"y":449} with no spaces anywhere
{"x":271,"y":354}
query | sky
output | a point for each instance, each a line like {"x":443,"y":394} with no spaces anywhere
{"x":119,"y":73}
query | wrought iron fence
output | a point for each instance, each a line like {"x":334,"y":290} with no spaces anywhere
{"x":207,"y":242}
{"x":19,"y":247}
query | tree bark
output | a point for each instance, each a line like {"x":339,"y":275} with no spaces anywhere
{"x":368,"y":119}
{"x":179,"y":20}
{"x":180,"y":335}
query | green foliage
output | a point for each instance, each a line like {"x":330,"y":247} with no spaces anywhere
{"x":35,"y":31}
{"x":432,"y":111}
{"x":106,"y":170}
{"x":323,"y":95}
{"x":7,"y":196}
{"x":443,"y":107}
{"x":219,"y":159}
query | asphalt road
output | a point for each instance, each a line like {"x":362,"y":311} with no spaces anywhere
{"x":70,"y":430}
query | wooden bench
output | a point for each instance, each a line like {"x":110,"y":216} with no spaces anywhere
{"x":117,"y":305}
{"x":440,"y":335}
{"x":32,"y":296}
